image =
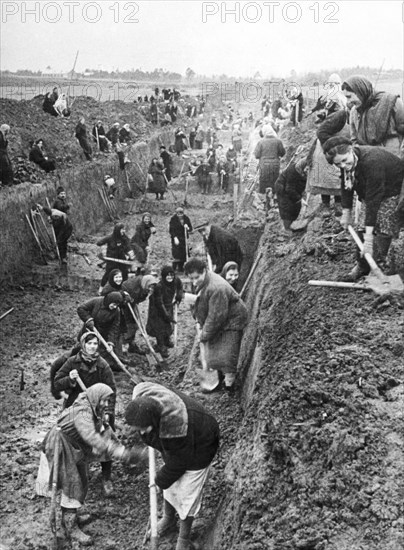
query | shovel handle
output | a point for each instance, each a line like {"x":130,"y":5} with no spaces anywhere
{"x":339,"y":284}
{"x":372,"y":264}
{"x":135,"y":379}
{"x":55,"y":481}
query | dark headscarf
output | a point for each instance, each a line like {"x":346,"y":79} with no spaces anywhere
{"x":117,"y":231}
{"x":113,"y":298}
{"x":143,"y":412}
{"x":111,"y":279}
{"x":167,"y":269}
{"x":363,"y":88}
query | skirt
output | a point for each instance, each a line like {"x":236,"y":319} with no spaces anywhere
{"x":387,"y":222}
{"x":185,"y":495}
{"x":222,"y":352}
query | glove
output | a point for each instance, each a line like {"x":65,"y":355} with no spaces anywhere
{"x":90,"y":324}
{"x":345,"y":218}
{"x":176,"y":241}
{"x":368,"y":244}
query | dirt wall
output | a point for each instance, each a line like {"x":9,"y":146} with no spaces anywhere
{"x":318,"y":464}
{"x":18,"y":249}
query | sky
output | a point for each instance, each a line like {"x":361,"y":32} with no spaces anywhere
{"x":233,"y":38}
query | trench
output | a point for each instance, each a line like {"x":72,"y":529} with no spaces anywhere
{"x":312,"y":442}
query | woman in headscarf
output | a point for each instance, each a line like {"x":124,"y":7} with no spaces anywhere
{"x":114,"y":283}
{"x":118,"y":247}
{"x":187,"y":436}
{"x":37,"y":155}
{"x":6,"y":169}
{"x":180,"y":141}
{"x":231,"y":273}
{"x":179,"y":228}
{"x":376,"y":175}
{"x":92,"y":369}
{"x":289,"y":188}
{"x":157,"y":183}
{"x":168,"y":291}
{"x":83,"y":436}
{"x":376,"y":118}
{"x":139,"y":289}
{"x":103,"y":313}
{"x":269,"y":151}
{"x":143,"y":232}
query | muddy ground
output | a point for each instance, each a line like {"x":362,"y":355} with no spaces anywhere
{"x":312,"y":442}
{"x":43,"y":325}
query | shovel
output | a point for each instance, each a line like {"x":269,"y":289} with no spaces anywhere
{"x":52,"y":519}
{"x":153,"y":500}
{"x":138,"y":320}
{"x":135,"y":379}
{"x":209,"y":378}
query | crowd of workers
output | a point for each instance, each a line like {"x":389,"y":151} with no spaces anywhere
{"x":356,"y":158}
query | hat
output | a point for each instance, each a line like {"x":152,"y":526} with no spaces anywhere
{"x":143,"y":412}
{"x":59,"y":190}
{"x":113,"y":298}
{"x":335,"y":142}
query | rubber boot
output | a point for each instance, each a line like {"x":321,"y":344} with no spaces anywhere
{"x":168,"y":522}
{"x":382,"y":245}
{"x":106,"y":469}
{"x":184,"y":541}
{"x":361,"y":267}
{"x":72,"y":529}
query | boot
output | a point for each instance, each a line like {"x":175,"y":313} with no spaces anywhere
{"x":73,"y":531}
{"x":168,"y":522}
{"x":184,"y":542}
{"x":382,"y":245}
{"x":107,"y":485}
{"x":360,"y":270}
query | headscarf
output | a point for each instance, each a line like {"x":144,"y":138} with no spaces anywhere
{"x":117,"y":231}
{"x":166,"y":270}
{"x":268,"y":131}
{"x":83,"y":340}
{"x":59,"y":190}
{"x":148,"y":280}
{"x":113,"y":298}
{"x":227,"y":267}
{"x":363,"y":88}
{"x":334,"y":78}
{"x":111,"y":279}
{"x":143,"y":412}
{"x":94,"y":394}
{"x":4,"y":128}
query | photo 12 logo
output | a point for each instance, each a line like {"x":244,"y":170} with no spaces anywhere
{"x":70,"y":12}
{"x":270,"y":12}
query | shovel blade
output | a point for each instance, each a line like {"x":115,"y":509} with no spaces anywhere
{"x":209,"y":379}
{"x":392,"y":284}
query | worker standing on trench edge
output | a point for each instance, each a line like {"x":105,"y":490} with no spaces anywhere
{"x":63,"y":229}
{"x":187,"y":436}
{"x":222,"y":317}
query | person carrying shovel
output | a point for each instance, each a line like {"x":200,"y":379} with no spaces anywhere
{"x":179,"y":228}
{"x":187,"y":436}
{"x":80,"y":436}
{"x":376,"y":175}
{"x":222,"y":316}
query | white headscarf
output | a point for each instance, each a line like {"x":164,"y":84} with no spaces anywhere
{"x":268,"y":131}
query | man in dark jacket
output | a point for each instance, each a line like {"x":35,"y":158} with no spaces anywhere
{"x":63,"y":230}
{"x":179,"y":228}
{"x":82,"y":137}
{"x":222,"y":247}
{"x":118,"y":247}
{"x":187,"y":436}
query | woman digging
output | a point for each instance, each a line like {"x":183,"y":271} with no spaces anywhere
{"x":187,"y":436}
{"x":168,"y":293}
{"x":83,"y":436}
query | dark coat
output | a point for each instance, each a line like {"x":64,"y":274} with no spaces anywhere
{"x":168,"y":162}
{"x":36,"y":155}
{"x":133,"y":286}
{"x":61,"y":204}
{"x":223,"y":248}
{"x":113,"y":135}
{"x":161,"y":307}
{"x":195,"y":451}
{"x":289,"y":188}
{"x":176,"y":229}
{"x":218,"y":308}
{"x":81,"y":131}
{"x":6,"y":169}
{"x":107,"y":322}
{"x":158,"y":185}
{"x":117,"y":245}
{"x":124,"y":136}
{"x":99,"y":371}
{"x":379,"y":175}
{"x":142,"y":235}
